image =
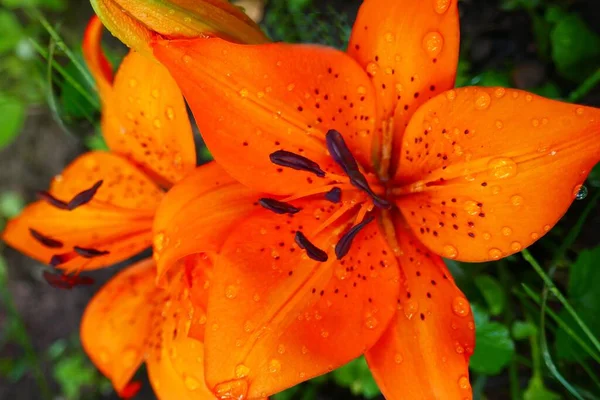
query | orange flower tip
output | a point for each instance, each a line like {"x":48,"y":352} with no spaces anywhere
{"x":62,"y":281}
{"x":295,"y":161}
{"x":137,"y":22}
{"x":78,"y":200}
{"x":342,"y":155}
{"x":45,"y":240}
{"x":312,"y":251}
{"x":343,"y":246}
{"x":130,"y":390}
{"x":278,"y":207}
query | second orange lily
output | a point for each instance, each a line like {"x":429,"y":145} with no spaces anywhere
{"x":370,"y":166}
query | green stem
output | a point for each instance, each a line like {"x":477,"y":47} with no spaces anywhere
{"x":513,"y":368}
{"x":554,"y":290}
{"x":585,"y":87}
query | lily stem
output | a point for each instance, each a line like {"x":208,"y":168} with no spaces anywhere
{"x":585,"y":87}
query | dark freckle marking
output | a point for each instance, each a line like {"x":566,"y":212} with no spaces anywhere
{"x":432,"y":88}
{"x":455,"y":227}
{"x":484,"y":184}
{"x":433,"y":282}
{"x":471,"y":234}
{"x":245,"y":143}
{"x":428,"y":295}
{"x":422,"y":317}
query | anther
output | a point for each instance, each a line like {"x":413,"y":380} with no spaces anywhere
{"x":343,"y":157}
{"x":334,"y":195}
{"x":343,"y":246}
{"x":84,"y":197}
{"x":53,"y":201}
{"x":296,"y":161}
{"x":59,"y":259}
{"x":311,"y":250}
{"x":61,"y":281}
{"x":45,"y":240}
{"x":89,"y":253}
{"x":278,"y":207}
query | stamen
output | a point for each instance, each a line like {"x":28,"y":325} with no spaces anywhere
{"x":311,"y":250}
{"x":341,"y":154}
{"x":80,"y":199}
{"x":45,"y":240}
{"x":89,"y":253}
{"x":334,"y":195}
{"x":343,"y":246}
{"x":61,"y":281}
{"x":53,"y":201}
{"x":59,"y":259}
{"x":296,"y":161}
{"x":84,"y":197}
{"x":278,"y":207}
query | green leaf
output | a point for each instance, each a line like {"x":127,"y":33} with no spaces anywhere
{"x":494,"y":349}
{"x":480,"y":314}
{"x":549,"y":90}
{"x":492,"y":293}
{"x":73,"y":372}
{"x":12,"y":32}
{"x":54,"y":5}
{"x":537,"y":391}
{"x":523,"y":329}
{"x":575,"y":48}
{"x":492,"y":78}
{"x":584,"y":296}
{"x":12,"y":111}
{"x":357,"y":377}
{"x":74,"y":103}
{"x":11,"y":204}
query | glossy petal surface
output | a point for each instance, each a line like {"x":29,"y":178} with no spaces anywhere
{"x":410,"y":50}
{"x":250,"y":101}
{"x":424,"y":353}
{"x":118,"y":219}
{"x":198,"y":214}
{"x":277,"y":317}
{"x":486,"y":172}
{"x":117,"y":321}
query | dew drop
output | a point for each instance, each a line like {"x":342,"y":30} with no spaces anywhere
{"x":460,"y":306}
{"x":236,"y":389}
{"x":155,"y":93}
{"x":463,"y":383}
{"x":371,"y":322}
{"x":433,"y":42}
{"x":535,"y":122}
{"x":324,"y":334}
{"x":362,"y":90}
{"x":341,"y":272}
{"x":231,"y":292}
{"x":372,"y":69}
{"x":304,"y":350}
{"x":398,"y":358}
{"x":499,"y":93}
{"x":244,"y":92}
{"x":191,"y":383}
{"x":495,"y":254}
{"x":281,"y":349}
{"x":472,"y":208}
{"x":450,"y":251}
{"x":486,"y":236}
{"x":496,"y":190}
{"x":483,"y":101}
{"x":389,"y":37}
{"x":187,"y":59}
{"x":516,"y":200}
{"x":157,"y":123}
{"x":159,"y":241}
{"x":441,"y":6}
{"x":579,"y":111}
{"x":410,"y":308}
{"x":506,"y":231}
{"x":547,"y":228}
{"x":499,"y":124}
{"x":580,"y":192}
{"x":516,"y":246}
{"x":451,"y":95}
{"x":290,"y":87}
{"x":170,"y":113}
{"x":241,"y":371}
{"x":535,"y":236}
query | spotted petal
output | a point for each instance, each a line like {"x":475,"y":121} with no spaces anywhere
{"x":277,"y":317}
{"x":486,"y":172}
{"x":424,"y":353}
{"x":250,"y":101}
{"x":410,"y":50}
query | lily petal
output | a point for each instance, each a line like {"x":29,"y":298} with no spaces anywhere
{"x":117,"y":321}
{"x":175,"y":361}
{"x":410,"y":50}
{"x":486,"y":172}
{"x":424,"y":353}
{"x":144,"y":117}
{"x":115,"y":225}
{"x":282,"y":96}
{"x":198,"y":214}
{"x":277,"y":317}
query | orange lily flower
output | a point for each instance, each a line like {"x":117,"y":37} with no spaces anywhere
{"x":371,"y":167}
{"x":100,"y":209}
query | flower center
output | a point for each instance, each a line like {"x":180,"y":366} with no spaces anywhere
{"x":353,"y":190}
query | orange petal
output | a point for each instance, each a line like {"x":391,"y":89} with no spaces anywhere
{"x":410,"y":49}
{"x":198,"y":214}
{"x":117,"y":321}
{"x":486,"y":172}
{"x":144,"y":117}
{"x":175,"y":361}
{"x":250,"y":101}
{"x":95,"y":58}
{"x":424,"y":353}
{"x":118,"y":219}
{"x":277,"y":317}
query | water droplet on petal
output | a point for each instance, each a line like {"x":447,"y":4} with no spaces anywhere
{"x":463,"y":383}
{"x":232,"y":390}
{"x":486,"y":236}
{"x":274,"y":366}
{"x":410,"y":308}
{"x":516,"y":246}
{"x":495,"y":254}
{"x":579,"y":111}
{"x":451,"y":95}
{"x":159,"y":241}
{"x":371,"y":322}
{"x":389,"y":37}
{"x":506,"y":231}
{"x":241,"y":371}
{"x":398,"y":358}
{"x":460,"y":306}
{"x":170,"y":113}
{"x":580,"y":192}
{"x":244,"y":92}
{"x":499,"y":92}
{"x":450,"y":251}
{"x":433,"y":42}
{"x":362,"y":90}
{"x":157,"y":123}
{"x":341,"y":272}
{"x":502,"y":168}
{"x":499,"y":124}
{"x":155,"y":93}
{"x":191,"y":383}
{"x":281,"y":349}
{"x":441,"y":6}
{"x":483,"y":101}
{"x":516,"y":200}
{"x":372,"y":68}
{"x":472,"y":208}
{"x":187,"y":59}
{"x":231,"y":292}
